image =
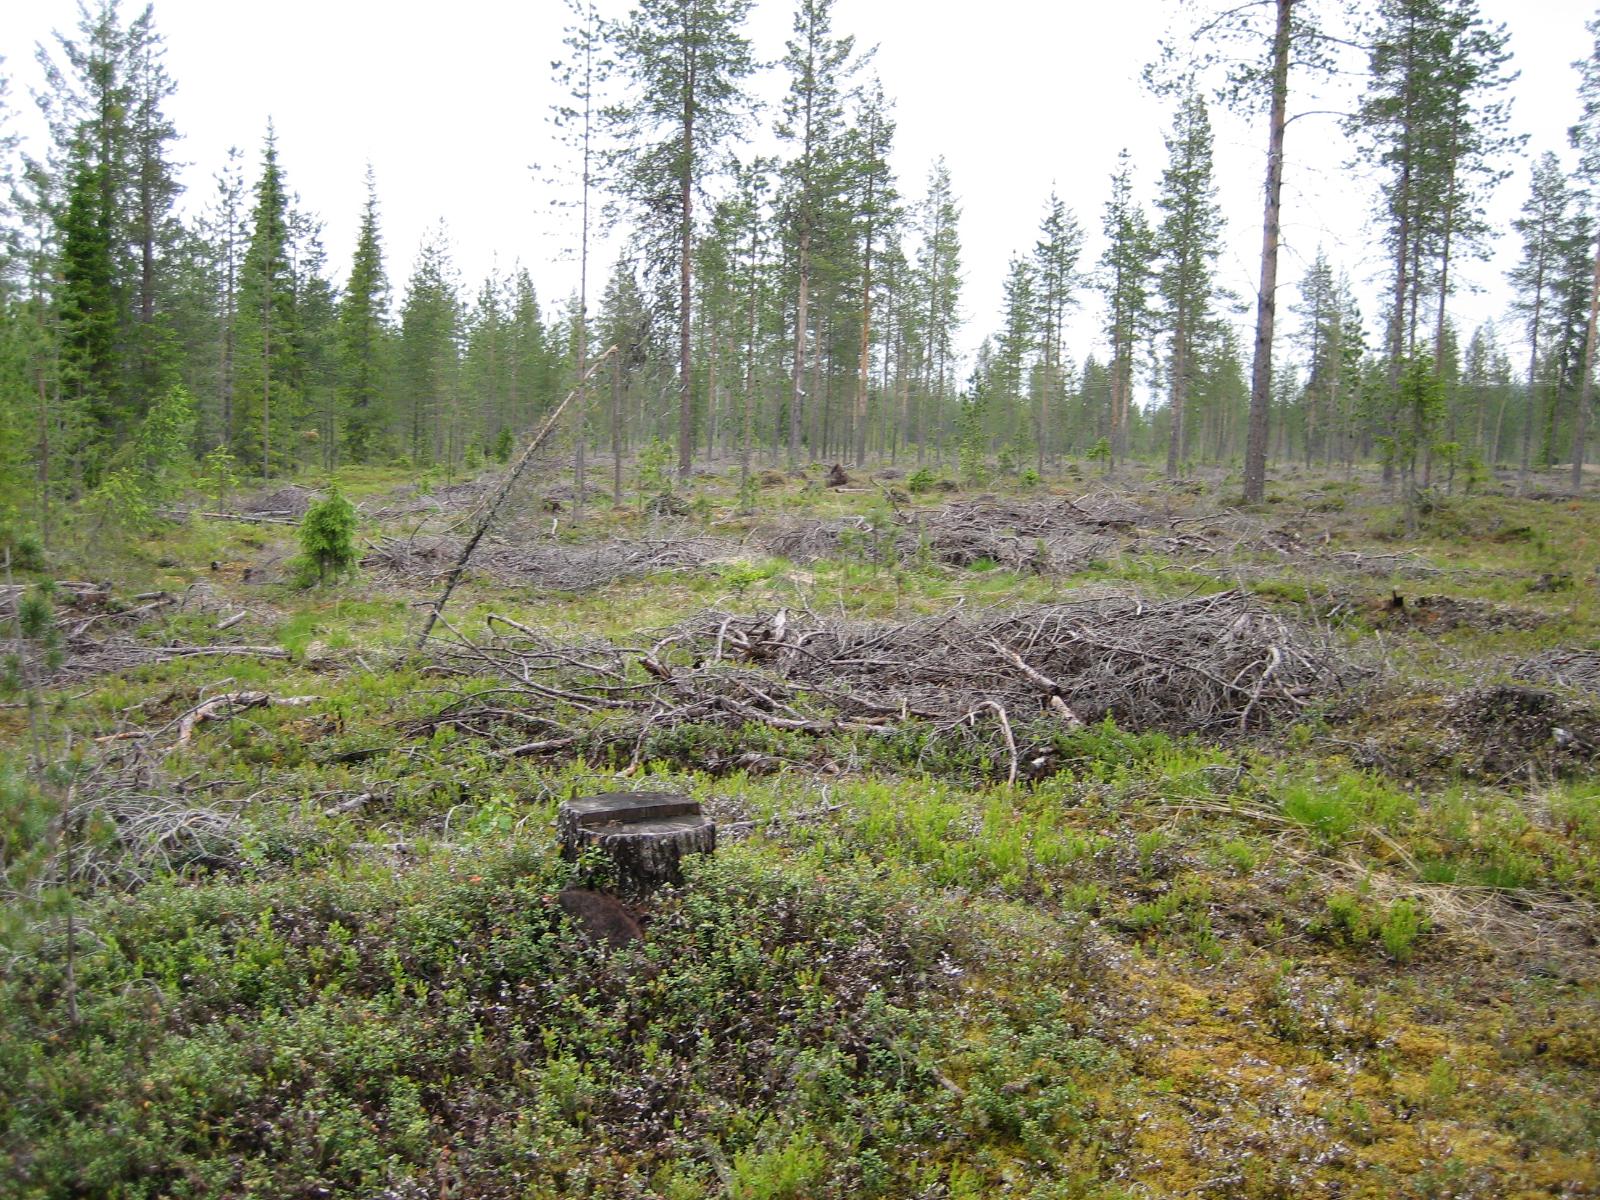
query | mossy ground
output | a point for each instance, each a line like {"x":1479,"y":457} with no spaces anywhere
{"x":1356,"y":957}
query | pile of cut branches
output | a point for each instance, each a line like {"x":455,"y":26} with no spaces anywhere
{"x":1568,"y":667}
{"x":545,"y":564}
{"x":99,"y":630}
{"x":1219,"y":664}
{"x":1027,"y":537}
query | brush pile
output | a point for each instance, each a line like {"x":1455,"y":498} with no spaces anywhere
{"x":1054,"y":536}
{"x":1220,"y":664}
{"x":1568,"y":667}
{"x":545,"y":564}
{"x":99,"y":633}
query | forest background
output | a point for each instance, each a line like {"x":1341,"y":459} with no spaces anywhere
{"x":966,"y":274}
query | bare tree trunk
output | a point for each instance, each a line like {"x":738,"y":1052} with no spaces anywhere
{"x":685,"y":272}
{"x":1580,"y":432}
{"x":865,"y":364}
{"x":1533,"y":395}
{"x":1180,"y":370}
{"x":1255,"y":454}
{"x":616,"y":432}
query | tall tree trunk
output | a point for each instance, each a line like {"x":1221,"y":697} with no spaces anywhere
{"x":1586,"y":389}
{"x":266,"y":377}
{"x":1533,"y":394}
{"x":798,"y":390}
{"x":1255,"y":454}
{"x":616,"y":432}
{"x":864,"y":365}
{"x":685,"y":272}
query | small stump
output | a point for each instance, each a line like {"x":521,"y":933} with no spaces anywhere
{"x":645,"y":834}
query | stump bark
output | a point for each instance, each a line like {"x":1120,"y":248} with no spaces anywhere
{"x":645,"y":834}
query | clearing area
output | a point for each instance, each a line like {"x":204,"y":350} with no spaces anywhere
{"x":1091,"y":839}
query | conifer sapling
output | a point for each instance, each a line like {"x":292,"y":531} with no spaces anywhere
{"x":327,"y":540}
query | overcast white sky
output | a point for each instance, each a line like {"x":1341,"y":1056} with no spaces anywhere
{"x":450,"y":104}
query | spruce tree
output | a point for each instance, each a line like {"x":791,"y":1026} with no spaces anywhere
{"x":266,"y":364}
{"x":88,"y":320}
{"x":104,"y":105}
{"x":316,"y":341}
{"x":429,"y":356}
{"x":363,"y":339}
{"x":1188,"y":242}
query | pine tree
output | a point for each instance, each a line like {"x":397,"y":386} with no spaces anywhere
{"x":1434,"y":123}
{"x":580,"y":76}
{"x":151,"y":230}
{"x":1055,"y":269}
{"x":363,"y":339}
{"x":1188,"y":241}
{"x":819,"y":67}
{"x":222,"y":233}
{"x":1125,"y":280}
{"x":1585,"y":138}
{"x":939,"y":285}
{"x":875,"y":201}
{"x":686,"y":60}
{"x":1542,"y":225}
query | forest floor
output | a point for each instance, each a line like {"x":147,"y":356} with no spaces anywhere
{"x":1094,"y":839}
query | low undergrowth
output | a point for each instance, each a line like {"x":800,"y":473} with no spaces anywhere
{"x":1232,"y":931}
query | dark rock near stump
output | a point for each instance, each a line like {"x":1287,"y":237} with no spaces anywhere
{"x":645,"y":834}
{"x":600,"y":918}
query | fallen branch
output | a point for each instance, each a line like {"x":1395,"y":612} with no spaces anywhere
{"x":228,"y":703}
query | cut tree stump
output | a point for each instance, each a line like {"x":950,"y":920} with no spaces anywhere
{"x":645,"y":834}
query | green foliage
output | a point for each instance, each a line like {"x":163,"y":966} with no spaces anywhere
{"x":275,"y":1037}
{"x":327,"y":540}
{"x":1351,"y":921}
{"x":219,"y":474}
{"x":1402,"y":926}
{"x":22,"y":550}
{"x":654,"y":469}
{"x":921,"y":480}
{"x":1349,"y":803}
{"x":504,"y":443}
{"x":787,"y":1171}
{"x":152,"y":469}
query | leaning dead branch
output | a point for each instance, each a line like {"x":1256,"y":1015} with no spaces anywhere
{"x":492,"y":505}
